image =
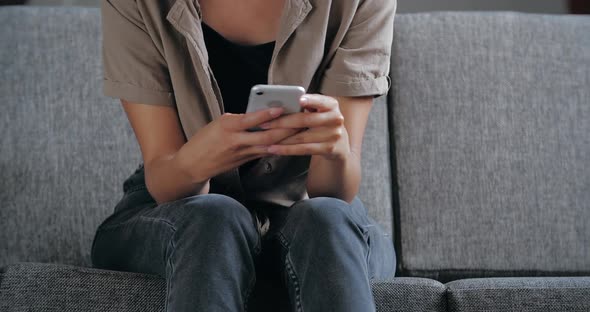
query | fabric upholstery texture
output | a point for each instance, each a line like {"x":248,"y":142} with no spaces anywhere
{"x":520,"y":294}
{"x":409,"y":294}
{"x":52,"y":287}
{"x":65,"y":148}
{"x":375,"y":189}
{"x":490,"y":120}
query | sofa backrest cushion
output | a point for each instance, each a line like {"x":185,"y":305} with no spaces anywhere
{"x":491,"y":121}
{"x":66,"y":149}
{"x":375,"y":191}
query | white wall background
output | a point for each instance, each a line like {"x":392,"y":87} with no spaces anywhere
{"x":405,"y":6}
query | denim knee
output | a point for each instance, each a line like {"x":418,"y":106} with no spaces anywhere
{"x":324,"y":214}
{"x":211,"y":212}
{"x":219,"y":208}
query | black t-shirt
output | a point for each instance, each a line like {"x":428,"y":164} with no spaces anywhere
{"x":237,"y":68}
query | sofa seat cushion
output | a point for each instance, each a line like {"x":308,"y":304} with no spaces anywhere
{"x":407,"y":294}
{"x":520,"y":294}
{"x":49,"y":287}
{"x":31,"y":286}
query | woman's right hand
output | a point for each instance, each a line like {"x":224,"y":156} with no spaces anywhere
{"x":225,"y":143}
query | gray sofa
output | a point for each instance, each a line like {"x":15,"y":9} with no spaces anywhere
{"x":478,"y":162}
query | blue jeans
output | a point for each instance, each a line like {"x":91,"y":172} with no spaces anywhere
{"x":319,"y":254}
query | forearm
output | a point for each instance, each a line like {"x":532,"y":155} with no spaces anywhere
{"x":167,"y":180}
{"x":339,"y":178}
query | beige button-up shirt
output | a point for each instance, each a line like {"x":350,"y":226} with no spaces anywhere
{"x":154,"y":53}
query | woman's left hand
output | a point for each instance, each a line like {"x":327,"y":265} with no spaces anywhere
{"x":323,"y":132}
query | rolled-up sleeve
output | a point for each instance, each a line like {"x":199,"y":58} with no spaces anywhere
{"x":134,"y":67}
{"x":361,"y":64}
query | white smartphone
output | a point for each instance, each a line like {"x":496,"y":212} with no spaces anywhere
{"x":267,"y":96}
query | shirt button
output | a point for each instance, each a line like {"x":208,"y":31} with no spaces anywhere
{"x":267,"y":167}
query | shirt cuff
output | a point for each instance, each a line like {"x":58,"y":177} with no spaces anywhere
{"x":370,"y":87}
{"x":136,"y":94}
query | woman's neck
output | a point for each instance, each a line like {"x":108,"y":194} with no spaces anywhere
{"x":247,"y":22}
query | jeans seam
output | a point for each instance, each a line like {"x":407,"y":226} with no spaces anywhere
{"x":257,"y":251}
{"x":371,"y":274}
{"x":291,"y":272}
{"x":169,"y":262}
{"x":293,"y":277}
{"x":283,"y":240}
{"x":366,"y":231}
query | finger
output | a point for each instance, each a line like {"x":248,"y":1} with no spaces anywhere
{"x":306,"y":120}
{"x":253,"y":119}
{"x":268,"y":137}
{"x":319,"y":102}
{"x":317,"y":135}
{"x":301,"y":149}
{"x":254,"y":151}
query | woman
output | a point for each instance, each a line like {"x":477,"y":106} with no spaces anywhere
{"x":214,"y":207}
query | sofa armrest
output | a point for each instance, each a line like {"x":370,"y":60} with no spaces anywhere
{"x":520,"y":294}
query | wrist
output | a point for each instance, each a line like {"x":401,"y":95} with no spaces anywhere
{"x":342,"y":151}
{"x":339,"y":157}
{"x":181,"y":161}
